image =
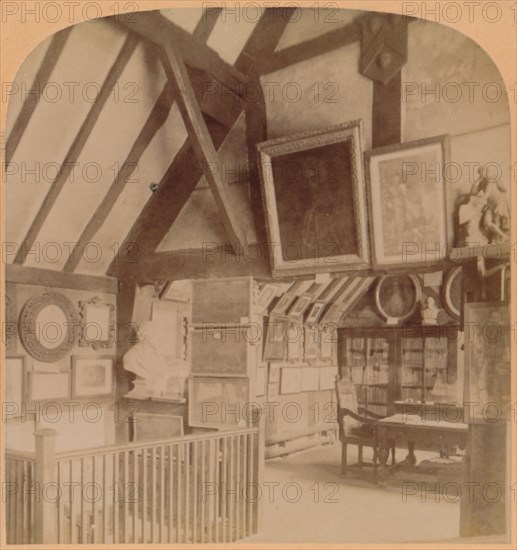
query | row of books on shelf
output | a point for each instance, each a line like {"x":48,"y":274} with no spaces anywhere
{"x":368,"y":394}
{"x":413,"y":359}
{"x":411,"y":377}
{"x":371,"y":344}
{"x":370,"y":375}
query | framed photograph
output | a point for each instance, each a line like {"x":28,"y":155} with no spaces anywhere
{"x":266,"y":295}
{"x":294,"y":336}
{"x":407,"y":199}
{"x":97,"y":323}
{"x":397,"y":297}
{"x":291,"y":380}
{"x":275,"y":339}
{"x":328,"y":337}
{"x":315,"y":200}
{"x":92,"y":376}
{"x":15,"y":380}
{"x":209,"y":398}
{"x":283,"y":304}
{"x":299,"y":307}
{"x":45,"y":386}
{"x":314,"y":313}
{"x":260,"y":389}
{"x":311,"y":343}
{"x":488,"y":337}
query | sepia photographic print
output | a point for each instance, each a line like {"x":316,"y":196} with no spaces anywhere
{"x":258,"y":274}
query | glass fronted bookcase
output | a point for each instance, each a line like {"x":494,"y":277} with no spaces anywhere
{"x":413,"y":364}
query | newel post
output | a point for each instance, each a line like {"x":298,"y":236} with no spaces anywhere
{"x":47,"y":491}
{"x":259,"y":459}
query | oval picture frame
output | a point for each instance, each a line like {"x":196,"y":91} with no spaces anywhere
{"x":28,"y":326}
{"x":401,"y":301}
{"x":450,"y":301}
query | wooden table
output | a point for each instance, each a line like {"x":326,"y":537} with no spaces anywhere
{"x":415,"y":431}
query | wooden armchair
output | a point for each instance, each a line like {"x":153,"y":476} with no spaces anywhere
{"x":356,"y":427}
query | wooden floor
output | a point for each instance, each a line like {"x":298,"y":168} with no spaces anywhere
{"x":330,"y":509}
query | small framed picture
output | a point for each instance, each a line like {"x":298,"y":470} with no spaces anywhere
{"x":315,"y":313}
{"x":312,"y":343}
{"x":261,"y":381}
{"x":15,"y":377}
{"x":397,"y":297}
{"x":266,"y":296}
{"x":46,"y":386}
{"x":294,"y":336}
{"x":97,"y":323}
{"x":92,"y":376}
{"x":301,"y":304}
{"x":283,"y":304}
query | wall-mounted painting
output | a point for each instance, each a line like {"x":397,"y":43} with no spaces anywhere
{"x":92,"y":376}
{"x":314,"y":313}
{"x":275,"y":339}
{"x":407,"y":198}
{"x":300,"y":306}
{"x":488,"y":337}
{"x":315,"y":202}
{"x":397,"y":297}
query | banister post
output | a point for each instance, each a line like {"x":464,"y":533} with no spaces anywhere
{"x":259,"y":459}
{"x":45,"y":511}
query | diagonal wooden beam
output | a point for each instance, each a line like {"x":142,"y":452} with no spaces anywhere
{"x":202,"y":143}
{"x":154,"y":122}
{"x":319,"y":45}
{"x":256,"y":54}
{"x":77,"y":147}
{"x":164,"y":206}
{"x":40,"y":81}
{"x":153,"y":26}
{"x":207,"y":23}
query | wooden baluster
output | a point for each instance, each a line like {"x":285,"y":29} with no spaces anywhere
{"x":179,"y":490}
{"x":171,"y":492}
{"x":153,"y":493}
{"x":195,"y":491}
{"x":72,"y":497}
{"x":163,"y":465}
{"x":250,"y":453}
{"x":230,"y":487}
{"x":203,"y":500}
{"x":136,"y":502}
{"x":187,"y":492}
{"x":144,"y":496}
{"x":115,"y":457}
{"x":45,"y":521}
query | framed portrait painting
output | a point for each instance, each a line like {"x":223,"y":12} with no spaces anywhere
{"x":314,"y":197}
{"x":407,"y":200}
{"x":397,"y":297}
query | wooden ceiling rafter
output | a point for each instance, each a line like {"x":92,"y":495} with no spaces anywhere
{"x":202,"y":143}
{"x":193,"y":50}
{"x":207,"y":23}
{"x":154,"y":122}
{"x":48,"y":64}
{"x":77,"y":146}
{"x":324,"y":43}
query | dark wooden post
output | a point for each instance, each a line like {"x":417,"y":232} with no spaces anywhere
{"x":45,"y":511}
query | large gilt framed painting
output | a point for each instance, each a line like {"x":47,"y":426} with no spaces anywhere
{"x":407,"y":202}
{"x":314,"y":197}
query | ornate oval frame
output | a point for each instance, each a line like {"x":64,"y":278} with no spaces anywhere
{"x":27,"y":326}
{"x":447,"y":298}
{"x":414,"y":305}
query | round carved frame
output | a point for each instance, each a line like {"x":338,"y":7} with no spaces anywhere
{"x":411,"y":307}
{"x":27,"y":326}
{"x":449,"y":300}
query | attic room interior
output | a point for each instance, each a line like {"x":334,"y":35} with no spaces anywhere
{"x":257,"y":282}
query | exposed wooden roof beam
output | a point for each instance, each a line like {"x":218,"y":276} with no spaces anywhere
{"x":158,"y":29}
{"x":164,"y":206}
{"x":319,"y":45}
{"x":34,"y":96}
{"x":49,"y":278}
{"x":202,"y":143}
{"x":207,"y":23}
{"x":77,"y":147}
{"x":154,"y":122}
{"x":256,"y":54}
{"x":195,"y":264}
